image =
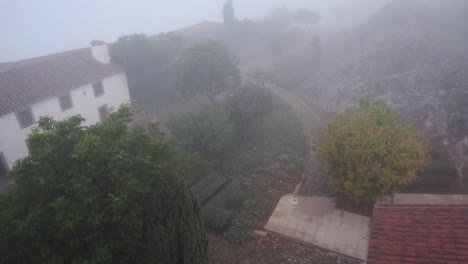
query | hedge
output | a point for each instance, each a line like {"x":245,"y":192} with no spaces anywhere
{"x":208,"y":187}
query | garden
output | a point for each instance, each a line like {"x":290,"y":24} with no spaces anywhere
{"x":256,"y":150}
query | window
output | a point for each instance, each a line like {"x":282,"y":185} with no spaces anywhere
{"x":65,"y":102}
{"x":103,"y":112}
{"x":98,"y":89}
{"x":25,"y":118}
{"x":3,"y":168}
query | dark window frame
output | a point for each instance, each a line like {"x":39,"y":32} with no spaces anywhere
{"x":98,"y":89}
{"x":61,"y":102}
{"x":22,"y":124}
{"x":101,"y":117}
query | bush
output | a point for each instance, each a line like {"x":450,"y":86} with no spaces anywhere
{"x":233,"y":195}
{"x":216,"y":214}
{"x":207,"y":187}
{"x":216,"y":218}
{"x":368,"y":152}
{"x":194,"y":167}
{"x":208,"y":132}
{"x":437,"y":175}
{"x":249,"y":104}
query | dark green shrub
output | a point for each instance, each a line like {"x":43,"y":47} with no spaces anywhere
{"x":441,"y":175}
{"x":194,"y":167}
{"x":216,"y":212}
{"x":249,"y":104}
{"x":233,"y":195}
{"x":207,"y":132}
{"x":208,"y":187}
{"x":216,"y":218}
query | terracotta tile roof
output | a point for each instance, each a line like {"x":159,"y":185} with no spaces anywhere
{"x":406,"y":234}
{"x":30,"y":81}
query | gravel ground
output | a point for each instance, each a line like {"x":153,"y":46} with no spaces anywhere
{"x":276,"y":251}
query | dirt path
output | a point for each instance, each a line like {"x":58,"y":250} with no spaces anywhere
{"x":311,"y":118}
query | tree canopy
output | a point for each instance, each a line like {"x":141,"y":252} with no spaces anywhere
{"x":100,"y":194}
{"x":206,"y":68}
{"x":251,"y":102}
{"x":146,"y":61}
{"x":207,"y":133}
{"x":367,"y":151}
{"x":229,"y":14}
{"x":306,"y":17}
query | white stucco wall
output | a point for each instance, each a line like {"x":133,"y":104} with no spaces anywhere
{"x":12,"y":137}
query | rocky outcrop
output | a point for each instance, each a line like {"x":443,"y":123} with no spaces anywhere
{"x":411,"y":56}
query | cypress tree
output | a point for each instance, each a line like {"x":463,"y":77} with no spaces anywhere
{"x":229,"y":14}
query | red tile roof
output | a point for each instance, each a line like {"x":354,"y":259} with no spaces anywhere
{"x":406,"y":234}
{"x":30,"y":81}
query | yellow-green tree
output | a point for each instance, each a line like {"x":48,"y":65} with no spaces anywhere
{"x":368,"y":151}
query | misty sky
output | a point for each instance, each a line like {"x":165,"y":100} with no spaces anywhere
{"x":32,"y":28}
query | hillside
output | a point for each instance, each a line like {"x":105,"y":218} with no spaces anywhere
{"x":409,"y":55}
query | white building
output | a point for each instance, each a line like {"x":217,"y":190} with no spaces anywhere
{"x":60,"y":85}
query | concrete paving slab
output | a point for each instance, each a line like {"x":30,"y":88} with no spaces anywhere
{"x":404,"y":198}
{"x":315,"y":221}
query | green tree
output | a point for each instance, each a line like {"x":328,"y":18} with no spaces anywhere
{"x":207,"y":133}
{"x":229,"y":14}
{"x":146,"y":61}
{"x":260,"y":77}
{"x":367,"y":152}
{"x":306,"y":17}
{"x":206,"y":68}
{"x":250,"y":103}
{"x":100,"y":194}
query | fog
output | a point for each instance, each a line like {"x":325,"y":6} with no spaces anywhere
{"x":33,"y":28}
{"x":245,"y":118}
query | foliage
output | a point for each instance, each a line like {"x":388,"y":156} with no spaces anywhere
{"x":216,"y":218}
{"x":306,"y":17}
{"x":233,"y":195}
{"x":260,"y":77}
{"x":208,"y":187}
{"x":194,"y":167}
{"x":367,"y":151}
{"x":441,"y":172}
{"x":229,"y":15}
{"x":206,"y":133}
{"x":99,"y":194}
{"x":146,"y":61}
{"x":206,"y":68}
{"x":217,"y":213}
{"x":249,"y":104}
{"x":437,"y":175}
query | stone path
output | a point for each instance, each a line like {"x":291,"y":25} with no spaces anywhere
{"x":315,"y":221}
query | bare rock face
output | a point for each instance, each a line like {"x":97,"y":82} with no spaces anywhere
{"x":410,"y":55}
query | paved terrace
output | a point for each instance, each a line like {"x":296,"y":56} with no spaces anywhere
{"x":315,"y":221}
